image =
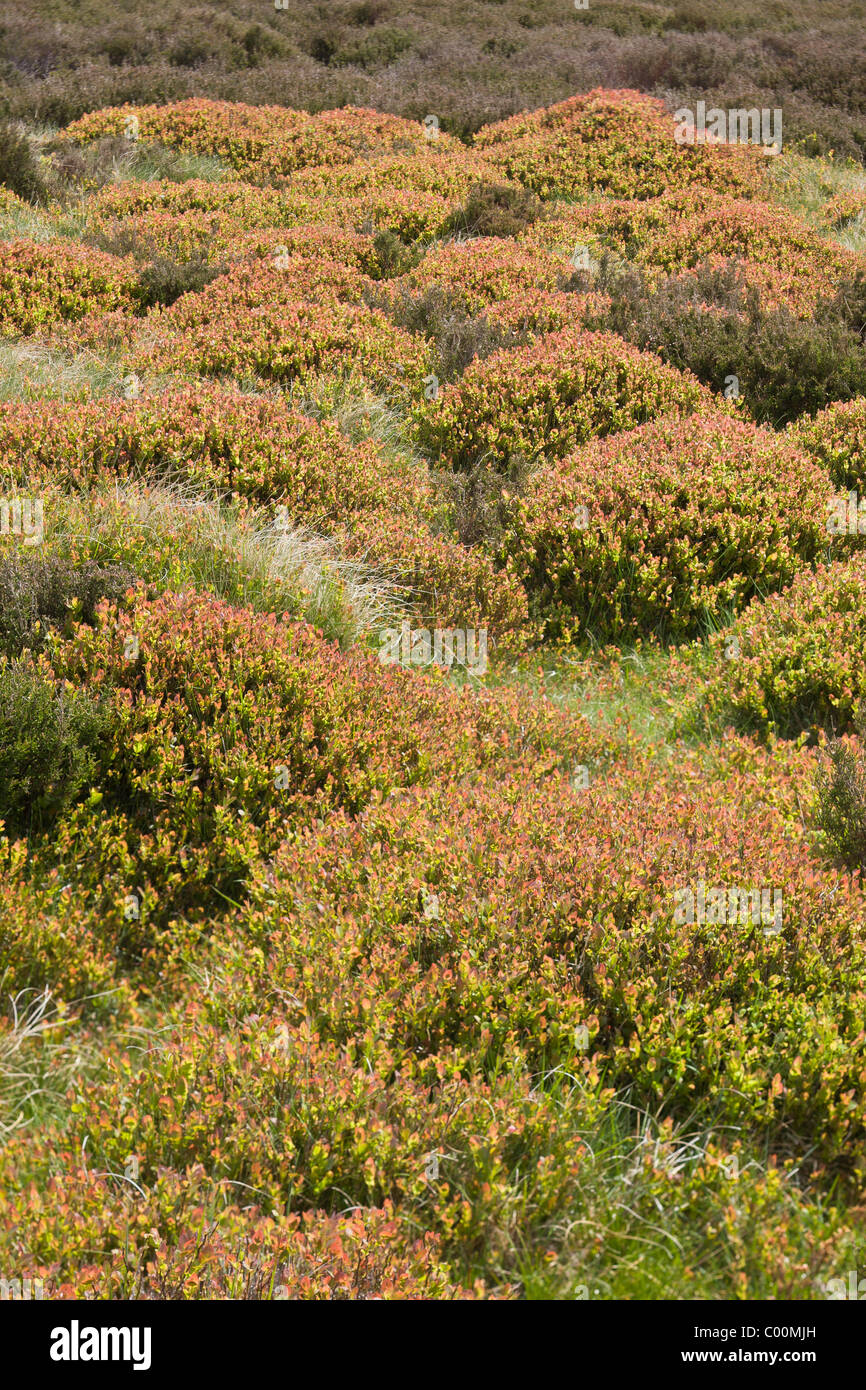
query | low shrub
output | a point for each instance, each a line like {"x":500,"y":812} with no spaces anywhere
{"x":545,"y":398}
{"x":260,"y":142}
{"x":484,"y":271}
{"x":215,"y":439}
{"x":712,"y":322}
{"x":448,"y":582}
{"x":391,"y":256}
{"x":456,"y":336}
{"x":377,"y":507}
{"x":449,"y":172}
{"x":283,"y":325}
{"x":840,"y":802}
{"x":664,"y":529}
{"x":241,"y":205}
{"x":409,"y":973}
{"x":48,"y":746}
{"x":44,"y":594}
{"x":163,"y":280}
{"x":683,"y":230}
{"x":225,"y":728}
{"x":848,"y":304}
{"x":800,"y":658}
{"x":533,"y":313}
{"x":42,"y":283}
{"x":845,"y":208}
{"x":836,"y":439}
{"x":495,"y":210}
{"x":617,"y":142}
{"x":164,"y":277}
{"x":19,"y":169}
{"x":50,"y":941}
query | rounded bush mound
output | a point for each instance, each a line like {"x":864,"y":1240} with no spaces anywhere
{"x":548,"y":397}
{"x":845,"y":208}
{"x":455,"y":925}
{"x":413,"y":215}
{"x":664,"y":529}
{"x":221,"y":728}
{"x":681,"y":230}
{"x":10,"y":202}
{"x":258,"y":141}
{"x":233,"y":131}
{"x":450,"y":173}
{"x":617,"y":142}
{"x":484,"y":271}
{"x":378,"y":507}
{"x":283,"y":325}
{"x":289,"y":275}
{"x":836,"y":439}
{"x":219,"y":440}
{"x":185,"y":236}
{"x":532,"y":313}
{"x":42,"y":283}
{"x":49,"y":938}
{"x":47,"y":741}
{"x":242,"y":205}
{"x":452,"y":585}
{"x":184,"y":1231}
{"x":410,"y":211}
{"x":800,"y":661}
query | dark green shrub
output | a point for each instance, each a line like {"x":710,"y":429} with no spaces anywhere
{"x":480,"y":515}
{"x":457,"y":336}
{"x":163,"y":278}
{"x":191,"y":53}
{"x":375,"y":50}
{"x":18,"y":167}
{"x":840,"y":808}
{"x":260,"y":43}
{"x":785,"y":366}
{"x":48,"y":741}
{"x":393,"y":256}
{"x":848,"y":305}
{"x":494,"y":209}
{"x":368,"y":13}
{"x":44,"y":593}
{"x":322,"y":48}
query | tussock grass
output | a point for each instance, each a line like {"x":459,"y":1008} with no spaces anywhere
{"x":644,"y":1228}
{"x":31,"y":371}
{"x":172,"y":537}
{"x":37,"y":1060}
{"x":806,"y":184}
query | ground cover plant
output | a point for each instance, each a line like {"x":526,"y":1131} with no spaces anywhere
{"x":432,"y":696}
